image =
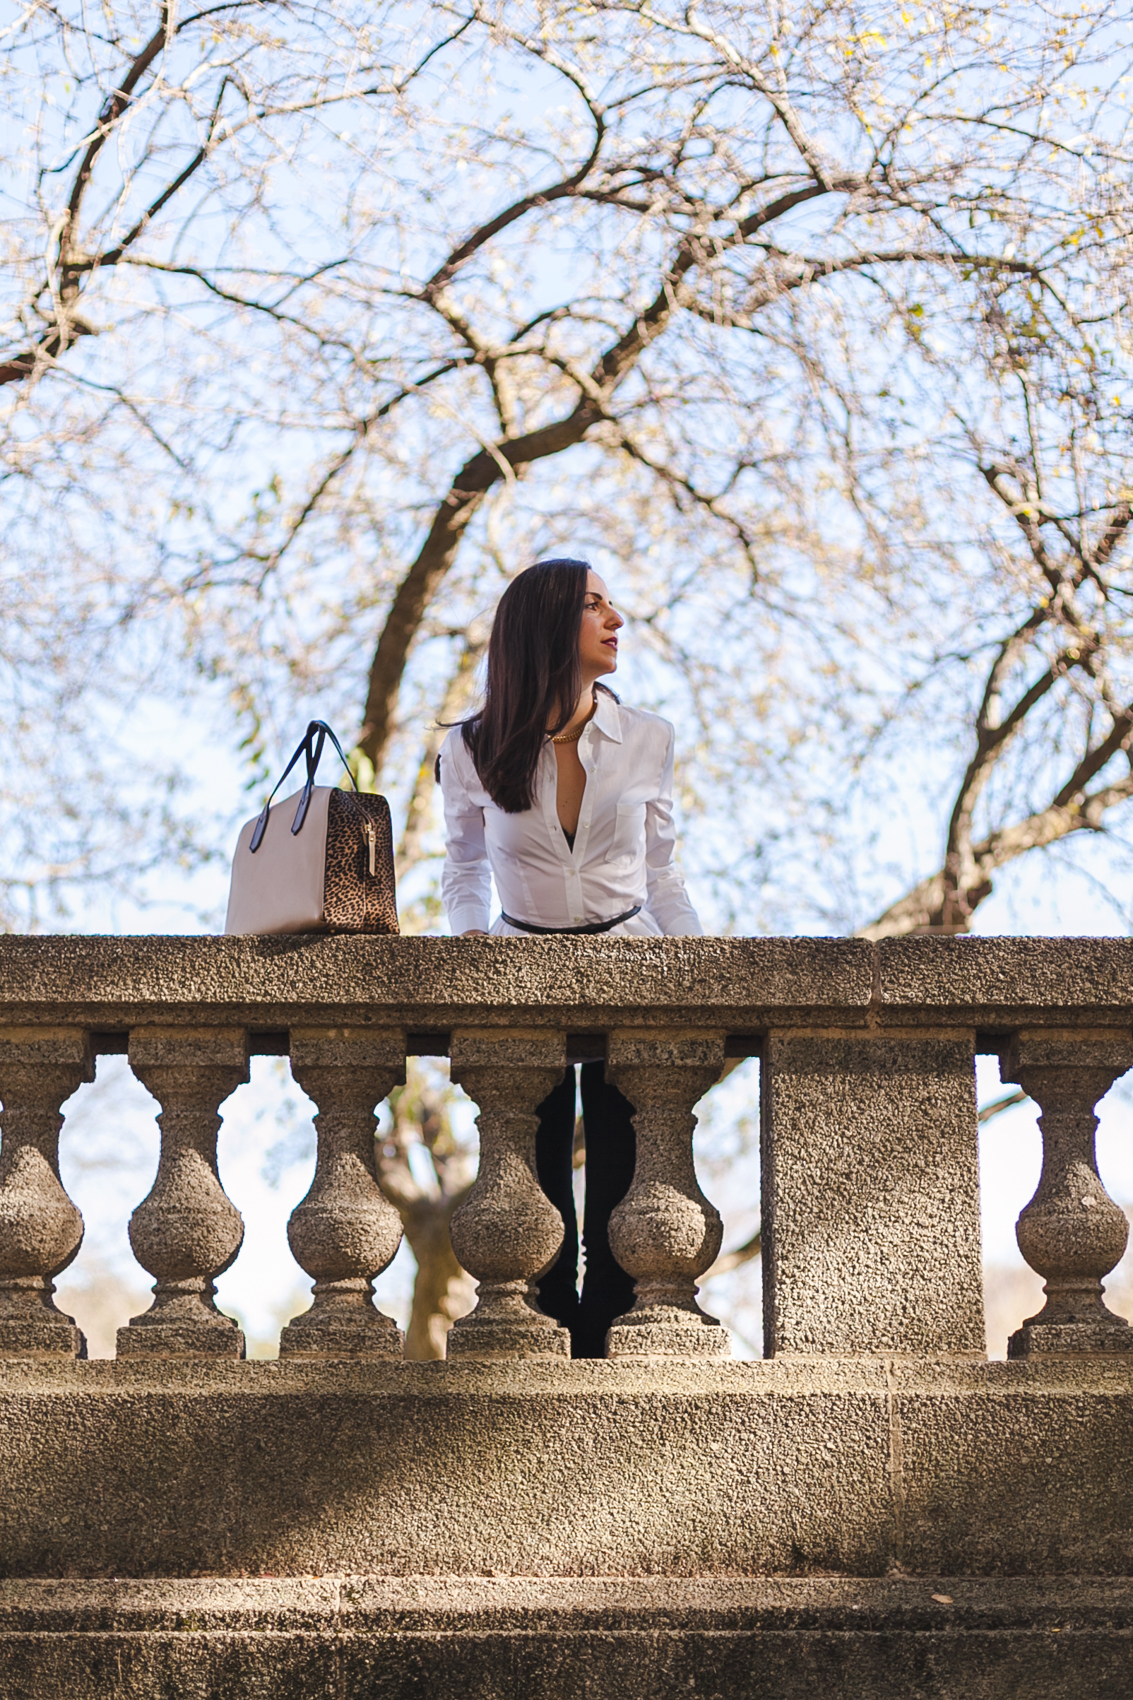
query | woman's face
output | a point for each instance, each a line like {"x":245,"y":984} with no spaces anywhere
{"x":598,"y":638}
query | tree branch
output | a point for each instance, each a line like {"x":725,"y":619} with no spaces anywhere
{"x":729,"y":1260}
{"x":455,"y":702}
{"x":459,"y":507}
{"x":340,"y":461}
{"x":437,"y":554}
{"x":925,"y":908}
{"x":991,"y":741}
{"x":998,"y":1105}
{"x":60,"y":337}
{"x":113,"y":107}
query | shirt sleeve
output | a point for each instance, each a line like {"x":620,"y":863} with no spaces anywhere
{"x":466,"y":883}
{"x":668,"y":901}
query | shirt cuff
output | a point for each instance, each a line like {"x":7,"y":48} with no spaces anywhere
{"x":469,"y":915}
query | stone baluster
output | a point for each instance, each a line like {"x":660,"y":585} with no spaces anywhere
{"x":40,"y":1229}
{"x":507,"y":1232}
{"x":345,"y":1232}
{"x":187,"y":1231}
{"x":665,"y":1232}
{"x":1071,"y":1233}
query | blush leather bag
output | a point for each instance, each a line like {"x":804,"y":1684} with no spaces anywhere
{"x":320,"y":861}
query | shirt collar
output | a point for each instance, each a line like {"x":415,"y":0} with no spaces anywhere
{"x":607,"y":717}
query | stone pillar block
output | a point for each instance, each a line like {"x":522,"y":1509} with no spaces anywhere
{"x":1071,"y":1233}
{"x":507,"y":1231}
{"x":40,"y":1229}
{"x":665,"y":1232}
{"x":871,"y":1206}
{"x":345,"y":1232}
{"x":186,"y":1231}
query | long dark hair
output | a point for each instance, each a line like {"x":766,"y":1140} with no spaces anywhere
{"x":533,"y":673}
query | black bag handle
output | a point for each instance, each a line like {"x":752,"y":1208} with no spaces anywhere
{"x":311,"y":745}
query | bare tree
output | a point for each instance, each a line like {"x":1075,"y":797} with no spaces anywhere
{"x":401,"y":367}
{"x":321,"y":320}
{"x":1051,"y":734}
{"x":158,"y":104}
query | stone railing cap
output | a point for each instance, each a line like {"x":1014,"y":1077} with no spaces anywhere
{"x":743,"y":986}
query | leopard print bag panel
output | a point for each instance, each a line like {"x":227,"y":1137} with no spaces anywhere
{"x":360,"y":892}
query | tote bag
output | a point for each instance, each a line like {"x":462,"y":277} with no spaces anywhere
{"x":319,"y":861}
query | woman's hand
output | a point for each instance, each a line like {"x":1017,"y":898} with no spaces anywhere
{"x":474,"y":933}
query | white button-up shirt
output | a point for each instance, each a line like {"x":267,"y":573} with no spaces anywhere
{"x":623,"y":850}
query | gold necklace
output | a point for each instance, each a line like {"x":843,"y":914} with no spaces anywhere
{"x":573,"y":737}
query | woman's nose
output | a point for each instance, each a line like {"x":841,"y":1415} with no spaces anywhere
{"x":614,"y":619}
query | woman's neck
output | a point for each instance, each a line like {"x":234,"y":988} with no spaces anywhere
{"x":583,"y":709}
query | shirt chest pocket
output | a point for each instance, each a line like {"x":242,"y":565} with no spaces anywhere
{"x":629,"y":833}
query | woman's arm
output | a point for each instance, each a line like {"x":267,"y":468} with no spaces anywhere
{"x":466,"y":883}
{"x":667,"y":901}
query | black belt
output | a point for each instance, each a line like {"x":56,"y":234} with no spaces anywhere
{"x":591,"y":926}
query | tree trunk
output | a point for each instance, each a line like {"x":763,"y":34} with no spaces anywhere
{"x":442,"y":1290}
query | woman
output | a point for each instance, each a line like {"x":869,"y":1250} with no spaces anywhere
{"x":565,"y":796}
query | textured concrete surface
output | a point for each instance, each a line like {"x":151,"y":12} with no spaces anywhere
{"x":572,"y":1469}
{"x":456,"y":1467}
{"x":742,"y":985}
{"x":871,"y":1208}
{"x":1004,"y":981}
{"x":272,"y":983}
{"x":517,"y":1638}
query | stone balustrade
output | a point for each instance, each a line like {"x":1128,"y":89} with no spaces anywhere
{"x":871,"y":1212}
{"x":872,"y":1512}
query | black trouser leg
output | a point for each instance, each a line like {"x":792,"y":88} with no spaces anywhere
{"x":611,"y":1150}
{"x":554,"y":1163}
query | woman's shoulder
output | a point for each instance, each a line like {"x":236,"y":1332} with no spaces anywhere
{"x":455,"y":759}
{"x":645,"y":724}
